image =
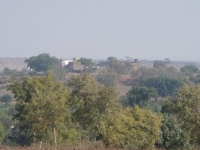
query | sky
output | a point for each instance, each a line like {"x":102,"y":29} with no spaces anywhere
{"x":97,"y":29}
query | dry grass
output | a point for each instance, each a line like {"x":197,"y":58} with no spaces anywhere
{"x":124,"y":84}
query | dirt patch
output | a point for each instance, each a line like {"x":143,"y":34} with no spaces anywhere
{"x":125,"y":82}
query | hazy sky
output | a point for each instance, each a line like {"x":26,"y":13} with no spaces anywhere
{"x":143,"y":29}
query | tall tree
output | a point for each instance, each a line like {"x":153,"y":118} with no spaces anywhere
{"x":131,"y":128}
{"x":42,"y":62}
{"x":41,"y":103}
{"x":111,"y":60}
{"x":2,"y":133}
{"x":140,"y":96}
{"x":187,"y":108}
{"x":165,"y":86}
{"x":87,"y":62}
{"x":90,"y":101}
{"x":190,"y":69}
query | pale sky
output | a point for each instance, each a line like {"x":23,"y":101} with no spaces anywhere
{"x":143,"y":29}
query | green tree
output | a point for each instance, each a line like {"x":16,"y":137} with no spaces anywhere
{"x":131,"y":128}
{"x":190,"y":70}
{"x":87,"y":62}
{"x":187,"y":108}
{"x":6,"y":98}
{"x":111,"y":60}
{"x":42,"y":62}
{"x":165,"y":86}
{"x":2,"y":133}
{"x":41,"y":104}
{"x":140,"y":96}
{"x":89,"y":102}
{"x":173,"y":136}
{"x":7,"y":71}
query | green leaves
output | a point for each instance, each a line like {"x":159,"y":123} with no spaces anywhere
{"x":187,"y":108}
{"x":134,"y":128}
{"x":2,"y":133}
{"x":41,"y":102}
{"x":165,"y":86}
{"x":89,"y":100}
{"x":42,"y":62}
{"x":140,"y":96}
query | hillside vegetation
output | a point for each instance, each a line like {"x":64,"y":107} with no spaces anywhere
{"x":111,"y":107}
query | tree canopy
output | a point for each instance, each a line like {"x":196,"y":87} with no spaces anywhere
{"x":90,"y":101}
{"x":165,"y":86}
{"x":186,"y":107}
{"x":6,"y":98}
{"x":190,"y":69}
{"x":42,"y":62}
{"x":140,"y":96}
{"x":87,"y":62}
{"x":111,"y":60}
{"x":41,"y":104}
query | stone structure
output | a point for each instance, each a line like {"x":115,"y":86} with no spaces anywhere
{"x":136,"y":64}
{"x":64,"y":62}
{"x":75,"y":66}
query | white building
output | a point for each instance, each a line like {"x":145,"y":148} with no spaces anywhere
{"x":64,"y":62}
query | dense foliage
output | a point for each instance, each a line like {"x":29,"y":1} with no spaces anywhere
{"x":160,"y":110}
{"x":42,"y":62}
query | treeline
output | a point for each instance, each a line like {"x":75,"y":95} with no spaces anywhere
{"x":160,"y":111}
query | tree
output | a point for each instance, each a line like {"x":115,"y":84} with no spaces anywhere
{"x":187,"y":108}
{"x":7,"y":71}
{"x":140,"y":96}
{"x":131,"y":128}
{"x":87,"y":62}
{"x":89,"y":102}
{"x":173,"y":136}
{"x":111,"y":60}
{"x":41,"y":103}
{"x":6,"y":98}
{"x":190,"y":69}
{"x":165,"y":86}
{"x":2,"y":133}
{"x":42,"y":62}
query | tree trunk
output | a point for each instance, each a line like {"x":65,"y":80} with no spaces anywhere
{"x":40,"y":144}
{"x":54,"y":136}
